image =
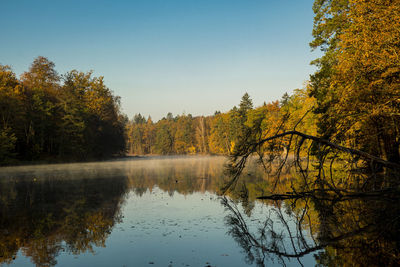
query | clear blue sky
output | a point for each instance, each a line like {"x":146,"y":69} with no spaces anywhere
{"x":168,"y":55}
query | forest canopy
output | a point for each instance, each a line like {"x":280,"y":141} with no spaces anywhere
{"x":217,"y":134}
{"x":47,"y":116}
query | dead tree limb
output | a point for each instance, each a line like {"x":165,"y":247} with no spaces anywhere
{"x":319,"y":140}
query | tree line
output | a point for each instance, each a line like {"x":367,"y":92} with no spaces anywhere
{"x":47,"y":116}
{"x":217,"y":134}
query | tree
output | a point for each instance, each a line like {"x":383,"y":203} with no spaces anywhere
{"x":164,"y":138}
{"x":219,"y":139}
{"x":149,"y":136}
{"x":367,"y":77}
{"x":74,"y":120}
{"x":245,"y":105}
{"x":201,"y":135}
{"x":357,"y":83}
{"x":41,"y":83}
{"x":139,"y":119}
{"x":11,"y":115}
{"x":105,"y":120}
{"x":329,"y":22}
{"x":184,"y":135}
{"x":40,"y":118}
{"x":41,"y":75}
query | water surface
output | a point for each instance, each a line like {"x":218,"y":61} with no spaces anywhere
{"x":167,"y":211}
{"x":140,"y":212}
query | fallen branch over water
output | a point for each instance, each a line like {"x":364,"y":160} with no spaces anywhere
{"x":319,"y":140}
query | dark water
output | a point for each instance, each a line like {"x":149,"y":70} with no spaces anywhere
{"x":167,"y":212}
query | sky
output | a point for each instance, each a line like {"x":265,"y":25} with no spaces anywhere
{"x":160,"y":56}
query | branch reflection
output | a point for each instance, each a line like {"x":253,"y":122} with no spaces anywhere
{"x":357,"y":231}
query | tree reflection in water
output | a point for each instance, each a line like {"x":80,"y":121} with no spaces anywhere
{"x":340,"y":203}
{"x":360,"y":229}
{"x":47,"y":216}
{"x":48,"y":210}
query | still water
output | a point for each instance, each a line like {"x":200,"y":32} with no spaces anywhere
{"x":131,"y":212}
{"x":168,"y":211}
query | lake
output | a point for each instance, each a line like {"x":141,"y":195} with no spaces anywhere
{"x":155,"y":211}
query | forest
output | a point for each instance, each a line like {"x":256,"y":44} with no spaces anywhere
{"x":46,"y":116}
{"x":352,"y":99}
{"x":75,"y":117}
{"x":217,"y":134}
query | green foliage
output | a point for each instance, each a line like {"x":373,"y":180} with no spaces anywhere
{"x":222,"y":133}
{"x":184,"y":135}
{"x":42,"y":118}
{"x":7,"y":145}
{"x":164,"y":138}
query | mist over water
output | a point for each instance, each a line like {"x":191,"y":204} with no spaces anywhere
{"x":156,"y":211}
{"x":168,"y":211}
{"x":152,"y":211}
{"x":110,"y":168}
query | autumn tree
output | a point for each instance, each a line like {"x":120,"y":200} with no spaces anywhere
{"x":184,"y":135}
{"x":42,"y":84}
{"x":47,"y":116}
{"x":74,"y":120}
{"x":219,"y":134}
{"x":136,"y":135}
{"x":149,"y":136}
{"x":357,"y":83}
{"x":106,"y":123}
{"x":11,"y":114}
{"x":201,"y":134}
{"x":367,"y":77}
{"x":164,"y":142}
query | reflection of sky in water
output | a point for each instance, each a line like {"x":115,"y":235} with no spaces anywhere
{"x":177,"y":231}
{"x":158,"y":229}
